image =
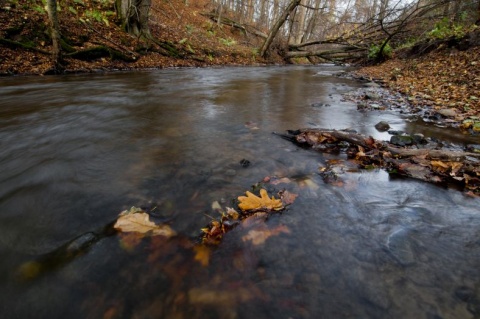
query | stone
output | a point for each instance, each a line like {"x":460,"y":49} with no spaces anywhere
{"x":474,"y":148}
{"x":245,"y":163}
{"x":394,"y":132}
{"x":372,"y":96}
{"x":401,"y":140}
{"x":362,"y":106}
{"x":447,"y":112}
{"x":382,"y":126}
{"x":419,"y":138}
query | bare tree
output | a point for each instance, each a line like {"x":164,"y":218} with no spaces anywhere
{"x":54,"y":33}
{"x":290,"y":8}
{"x":133,"y":15}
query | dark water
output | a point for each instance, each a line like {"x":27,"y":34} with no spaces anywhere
{"x":77,"y":150}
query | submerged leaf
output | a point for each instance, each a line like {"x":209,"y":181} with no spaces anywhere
{"x":253,"y":202}
{"x":288,"y":198}
{"x":129,"y":241}
{"x":136,"y":220}
{"x":259,"y":236}
{"x":284,"y":180}
{"x":202,"y":254}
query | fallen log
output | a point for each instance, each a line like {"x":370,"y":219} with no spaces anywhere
{"x":428,"y":164}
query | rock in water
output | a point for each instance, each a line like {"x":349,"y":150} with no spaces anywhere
{"x":401,"y":140}
{"x":382,"y":126}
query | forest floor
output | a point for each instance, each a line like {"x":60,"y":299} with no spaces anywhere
{"x":92,"y":40}
{"x":444,"y":81}
{"x":443,"y":85}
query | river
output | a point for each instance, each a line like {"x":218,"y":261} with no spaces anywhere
{"x":77,"y":150}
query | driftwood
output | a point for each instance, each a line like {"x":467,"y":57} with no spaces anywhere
{"x":427,"y":164}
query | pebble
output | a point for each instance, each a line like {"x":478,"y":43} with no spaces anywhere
{"x":382,"y":126}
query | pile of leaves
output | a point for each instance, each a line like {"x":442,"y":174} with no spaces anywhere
{"x":135,"y":224}
{"x":440,"y":166}
{"x":445,"y":81}
{"x":250,"y":205}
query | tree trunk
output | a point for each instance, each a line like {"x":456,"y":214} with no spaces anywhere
{"x":133,"y":15}
{"x":277,"y":26}
{"x":54,"y":33}
{"x":478,"y":14}
{"x":299,"y":23}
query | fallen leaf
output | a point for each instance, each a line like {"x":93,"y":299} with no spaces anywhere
{"x":259,"y":236}
{"x":136,"y":220}
{"x":232,"y":213}
{"x":288,"y":198}
{"x":254,"y":220}
{"x":253,"y":202}
{"x":309,"y":184}
{"x":202,"y":254}
{"x":128,"y":241}
{"x":456,"y":166}
{"x":251,"y":125}
{"x":284,"y":180}
{"x":439,"y":164}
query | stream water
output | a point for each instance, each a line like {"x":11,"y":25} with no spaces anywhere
{"x":77,"y":150}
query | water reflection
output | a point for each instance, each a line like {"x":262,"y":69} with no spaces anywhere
{"x":76,"y":150}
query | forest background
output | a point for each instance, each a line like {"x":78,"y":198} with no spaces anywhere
{"x":429,"y":49}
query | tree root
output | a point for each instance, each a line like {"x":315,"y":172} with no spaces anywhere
{"x":15,"y":44}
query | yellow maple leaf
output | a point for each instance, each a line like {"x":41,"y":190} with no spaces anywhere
{"x":251,"y":201}
{"x":136,"y":220}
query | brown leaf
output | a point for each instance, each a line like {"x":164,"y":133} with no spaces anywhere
{"x":258,"y":236}
{"x":128,"y":241}
{"x":136,"y":220}
{"x":439,"y":164}
{"x":284,"y":180}
{"x":202,"y":254}
{"x":288,"y":198}
{"x":252,"y":202}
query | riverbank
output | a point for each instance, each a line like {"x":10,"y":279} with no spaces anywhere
{"x":182,"y":36}
{"x":442,"y":86}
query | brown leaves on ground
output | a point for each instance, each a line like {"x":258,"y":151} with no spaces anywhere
{"x":196,"y":38}
{"x":431,"y":165}
{"x":442,"y":79}
{"x":250,"y":206}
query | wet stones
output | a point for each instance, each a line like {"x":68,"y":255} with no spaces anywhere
{"x":474,"y":148}
{"x":320,"y":105}
{"x":245,"y":163}
{"x":382,"y":126}
{"x":369,"y":95}
{"x":401,"y":140}
{"x":447,"y":112}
